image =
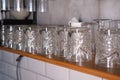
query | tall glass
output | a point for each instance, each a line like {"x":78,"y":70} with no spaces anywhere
{"x":49,"y":40}
{"x":107,"y":42}
{"x":63,"y":42}
{"x":39,"y":39}
{"x":2,"y":35}
{"x":80,"y":44}
{"x":30,"y":39}
{"x":9,"y":36}
{"x":19,"y":37}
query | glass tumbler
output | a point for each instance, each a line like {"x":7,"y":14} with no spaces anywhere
{"x":9,"y":36}
{"x":2,"y":35}
{"x":107,"y":42}
{"x":19,"y":37}
{"x":39,"y":39}
{"x":63,"y":42}
{"x":49,"y":41}
{"x":80,"y":44}
{"x":30,"y":39}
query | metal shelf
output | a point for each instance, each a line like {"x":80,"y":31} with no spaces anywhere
{"x":17,"y":22}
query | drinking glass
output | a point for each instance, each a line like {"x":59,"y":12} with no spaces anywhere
{"x":9,"y":36}
{"x":30,"y":39}
{"x":2,"y":35}
{"x":48,"y":38}
{"x":39,"y":39}
{"x":80,"y":44}
{"x":63,"y":45}
{"x":19,"y":37}
{"x":107,"y":42}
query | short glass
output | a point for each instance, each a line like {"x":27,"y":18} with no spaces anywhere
{"x":49,"y":34}
{"x":9,"y":36}
{"x":2,"y":35}
{"x":63,"y":45}
{"x":19,"y":38}
{"x":80,"y":40}
{"x":107,"y":45}
{"x":30,"y":39}
{"x":39,"y":39}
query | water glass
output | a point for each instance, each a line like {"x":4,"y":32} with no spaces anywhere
{"x":49,"y":41}
{"x":9,"y":36}
{"x":107,"y":45}
{"x":63,"y":42}
{"x":19,"y":37}
{"x":80,"y":44}
{"x":2,"y":35}
{"x":30,"y":39}
{"x":39,"y":40}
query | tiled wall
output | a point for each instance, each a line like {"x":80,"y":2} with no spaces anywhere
{"x":32,"y":69}
{"x":61,"y":11}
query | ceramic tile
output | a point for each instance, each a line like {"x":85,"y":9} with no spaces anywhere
{"x":36,"y":66}
{"x":75,"y":75}
{"x":57,"y":72}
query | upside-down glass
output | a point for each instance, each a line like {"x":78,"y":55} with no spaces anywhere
{"x":80,"y":44}
{"x":107,"y":42}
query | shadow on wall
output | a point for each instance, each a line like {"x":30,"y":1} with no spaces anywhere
{"x":61,"y":11}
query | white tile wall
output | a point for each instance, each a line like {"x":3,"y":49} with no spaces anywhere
{"x":57,"y":72}
{"x":75,"y":75}
{"x":8,"y":57}
{"x":39,"y":77}
{"x":32,"y":69}
{"x":1,"y":66}
{"x":12,"y":71}
{"x":5,"y":77}
{"x":36,"y":66}
{"x":4,"y":67}
{"x":28,"y":75}
{"x":0,"y":54}
{"x":24,"y":61}
{"x":1,"y":76}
